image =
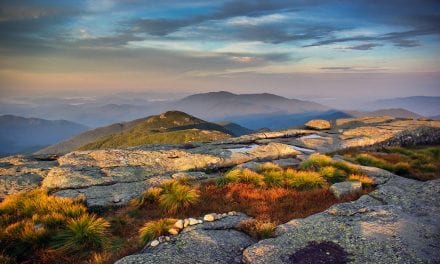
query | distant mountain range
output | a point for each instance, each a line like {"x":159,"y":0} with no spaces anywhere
{"x":222,"y":105}
{"x":237,"y":113}
{"x":167,"y":128}
{"x":394,"y":112}
{"x":26,"y":135}
{"x":423,"y":105}
{"x":254,"y":111}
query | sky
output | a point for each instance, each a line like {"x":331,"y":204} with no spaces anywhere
{"x":328,"y":50}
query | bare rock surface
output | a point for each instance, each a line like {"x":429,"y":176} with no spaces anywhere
{"x":318,"y":124}
{"x":342,"y":189}
{"x":210,"y":242}
{"x":397,"y":223}
{"x":19,"y":173}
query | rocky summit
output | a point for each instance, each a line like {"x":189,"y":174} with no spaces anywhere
{"x":399,"y":222}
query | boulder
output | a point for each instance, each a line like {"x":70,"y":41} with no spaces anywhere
{"x":210,"y":217}
{"x":179,"y":224}
{"x":342,"y":189}
{"x":318,"y":124}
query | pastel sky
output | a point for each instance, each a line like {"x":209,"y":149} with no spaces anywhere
{"x":297,"y":48}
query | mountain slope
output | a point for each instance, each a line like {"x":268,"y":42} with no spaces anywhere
{"x":86,"y":137}
{"x":236,"y":129}
{"x":23,"y":135}
{"x":163,"y":128}
{"x":168,"y":128}
{"x":424,"y":105}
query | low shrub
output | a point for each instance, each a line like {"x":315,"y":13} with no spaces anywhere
{"x":370,"y":160}
{"x":344,"y":166}
{"x":153,"y":229}
{"x":274,"y":178}
{"x":241,"y":176}
{"x":418,"y":162}
{"x":269,"y":166}
{"x":401,"y":168}
{"x":251,"y":177}
{"x":315,"y":162}
{"x":306,"y":180}
{"x":83,"y":236}
{"x":150,"y":195}
{"x":176,"y":196}
{"x":259,"y":229}
{"x":230,"y":176}
{"x":332,"y":174}
{"x":34,"y":221}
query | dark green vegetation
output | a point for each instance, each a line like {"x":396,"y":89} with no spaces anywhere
{"x":42,"y":228}
{"x":421,"y":163}
{"x":172,"y":127}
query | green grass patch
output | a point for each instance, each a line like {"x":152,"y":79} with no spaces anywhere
{"x":422,"y":163}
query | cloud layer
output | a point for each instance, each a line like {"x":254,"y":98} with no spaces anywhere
{"x":194,"y":39}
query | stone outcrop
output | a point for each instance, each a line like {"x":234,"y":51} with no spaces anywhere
{"x":114,"y":176}
{"x":211,"y":242}
{"x":318,"y":124}
{"x":342,"y":189}
{"x":397,"y":223}
{"x":19,"y":173}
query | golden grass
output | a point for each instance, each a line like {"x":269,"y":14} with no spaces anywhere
{"x":365,"y":180}
{"x":34,"y":223}
{"x":154,"y":229}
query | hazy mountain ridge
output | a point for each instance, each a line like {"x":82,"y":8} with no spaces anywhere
{"x":19,"y":134}
{"x":423,"y":105}
{"x":223,"y":105}
{"x":394,"y":112}
{"x":236,"y":129}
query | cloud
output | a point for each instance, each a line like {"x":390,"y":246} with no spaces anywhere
{"x":230,"y":9}
{"x":353,"y":69}
{"x":336,"y":68}
{"x":364,"y":46}
{"x":396,"y":38}
{"x":406,"y":43}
